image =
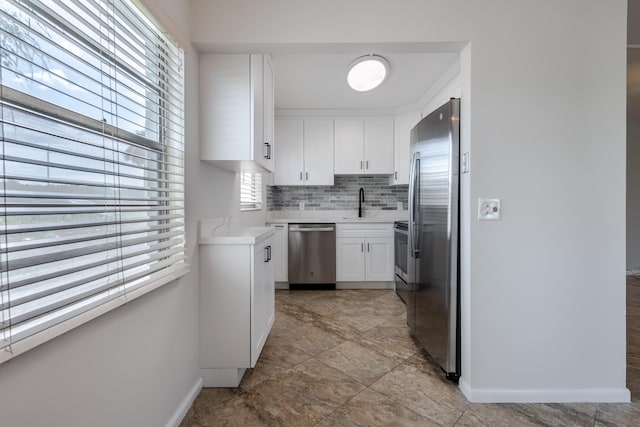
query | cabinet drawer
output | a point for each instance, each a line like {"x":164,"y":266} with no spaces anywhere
{"x":364,"y":230}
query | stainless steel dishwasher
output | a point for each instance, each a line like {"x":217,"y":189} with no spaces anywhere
{"x":312,"y":254}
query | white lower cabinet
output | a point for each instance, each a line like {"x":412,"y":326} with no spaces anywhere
{"x":350,"y":256}
{"x":281,"y":252}
{"x":237,"y":308}
{"x":364,"y":253}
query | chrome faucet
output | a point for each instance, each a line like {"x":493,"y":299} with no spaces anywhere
{"x":360,"y":200}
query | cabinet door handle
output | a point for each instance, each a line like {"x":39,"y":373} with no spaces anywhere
{"x":368,"y":248}
{"x":367,"y":162}
{"x":269,"y":253}
{"x":395,"y":175}
{"x":360,"y":164}
{"x":300,"y":176}
{"x":307,"y":175}
{"x":266,"y":254}
{"x":361,"y":247}
{"x":268,"y":151}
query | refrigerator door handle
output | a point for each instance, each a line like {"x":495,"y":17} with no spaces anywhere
{"x":414,"y":203}
{"x":418,"y":227}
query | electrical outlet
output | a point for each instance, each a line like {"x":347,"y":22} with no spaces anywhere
{"x":489,"y":209}
{"x":301,"y":206}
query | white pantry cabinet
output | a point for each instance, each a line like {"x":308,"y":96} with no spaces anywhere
{"x":236,"y":111}
{"x":237,"y":307}
{"x":363,"y":146}
{"x":402,"y":142}
{"x":364,"y":253}
{"x":305,"y":152}
{"x":280,"y":252}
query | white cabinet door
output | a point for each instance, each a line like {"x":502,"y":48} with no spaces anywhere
{"x":289,"y":157}
{"x":378,"y":146}
{"x":262,"y":297}
{"x":402,"y":131}
{"x":269,"y":301}
{"x":268,"y":112}
{"x":349,"y":143}
{"x":350,"y":259}
{"x":280,"y":252}
{"x":257,"y":105}
{"x":318,"y":151}
{"x":379,"y":259}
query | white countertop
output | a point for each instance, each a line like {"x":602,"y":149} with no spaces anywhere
{"x":212,"y":232}
{"x":377,"y":216}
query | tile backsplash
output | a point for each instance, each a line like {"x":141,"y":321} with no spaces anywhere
{"x":343,"y":195}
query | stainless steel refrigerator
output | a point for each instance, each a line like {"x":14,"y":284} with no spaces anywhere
{"x":433,"y":305}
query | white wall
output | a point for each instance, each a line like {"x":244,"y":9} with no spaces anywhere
{"x":633,"y":138}
{"x":633,"y":186}
{"x":543,"y":289}
{"x":633,"y":160}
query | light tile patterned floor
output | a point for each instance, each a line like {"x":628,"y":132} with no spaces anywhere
{"x":345,"y":358}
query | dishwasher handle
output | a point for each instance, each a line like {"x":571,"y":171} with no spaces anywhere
{"x":307,"y":229}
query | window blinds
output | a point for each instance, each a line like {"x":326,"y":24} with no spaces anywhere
{"x":91,"y":160}
{"x":250,"y":191}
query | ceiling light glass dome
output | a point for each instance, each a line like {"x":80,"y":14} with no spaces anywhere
{"x":367,"y":72}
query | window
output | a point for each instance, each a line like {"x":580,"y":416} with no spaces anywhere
{"x":250,"y":191}
{"x":91,"y":164}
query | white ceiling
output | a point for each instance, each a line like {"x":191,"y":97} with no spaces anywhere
{"x":318,"y":80}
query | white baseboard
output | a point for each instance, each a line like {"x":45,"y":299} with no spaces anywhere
{"x":282,"y":285}
{"x":599,"y":395}
{"x":350,"y":285}
{"x":222,"y":377}
{"x":185,"y":405}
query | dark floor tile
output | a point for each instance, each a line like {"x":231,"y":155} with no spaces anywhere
{"x":370,"y":408}
{"x":419,"y":386}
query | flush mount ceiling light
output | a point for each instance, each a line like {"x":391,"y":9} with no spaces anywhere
{"x":367,"y":72}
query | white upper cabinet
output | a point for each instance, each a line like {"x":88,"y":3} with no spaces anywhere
{"x":402,"y":129}
{"x":318,"y":151}
{"x":349,"y":146}
{"x":364,"y":147}
{"x":267,"y":160}
{"x":305,"y":151}
{"x":378,"y":146}
{"x":236,"y":110}
{"x":289,"y":168}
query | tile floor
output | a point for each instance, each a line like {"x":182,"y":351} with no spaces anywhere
{"x":345,"y":358}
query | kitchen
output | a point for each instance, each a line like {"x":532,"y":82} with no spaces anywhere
{"x":499,"y":73}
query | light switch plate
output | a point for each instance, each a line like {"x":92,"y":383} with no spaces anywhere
{"x":489,"y":209}
{"x":465,"y":162}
